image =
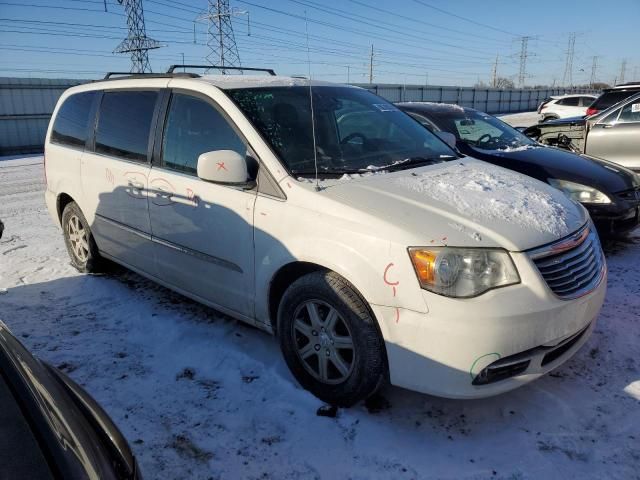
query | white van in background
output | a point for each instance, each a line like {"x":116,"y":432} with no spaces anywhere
{"x":370,"y":248}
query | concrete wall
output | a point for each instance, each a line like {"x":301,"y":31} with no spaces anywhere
{"x":26,"y":105}
{"x":489,"y":100}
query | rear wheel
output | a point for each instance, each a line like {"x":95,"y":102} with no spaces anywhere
{"x":79,"y":241}
{"x":330,"y":340}
{"x":549,"y":117}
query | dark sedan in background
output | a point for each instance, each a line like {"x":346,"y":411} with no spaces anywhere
{"x":608,"y":191}
{"x":50,"y":427}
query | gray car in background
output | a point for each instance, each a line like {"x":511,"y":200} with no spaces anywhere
{"x":613,"y":134}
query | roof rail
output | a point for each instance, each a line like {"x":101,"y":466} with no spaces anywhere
{"x":218,"y":67}
{"x":122,"y":75}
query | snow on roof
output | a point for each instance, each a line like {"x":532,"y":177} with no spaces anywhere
{"x":487,"y":192}
{"x":255,"y":81}
{"x":435,"y":105}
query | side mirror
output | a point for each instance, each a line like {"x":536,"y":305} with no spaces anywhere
{"x":448,"y":138}
{"x":223,"y":166}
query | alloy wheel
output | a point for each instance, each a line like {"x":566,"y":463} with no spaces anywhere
{"x":323,"y":342}
{"x":78,"y":238}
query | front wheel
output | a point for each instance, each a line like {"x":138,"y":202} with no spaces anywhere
{"x":330,"y":340}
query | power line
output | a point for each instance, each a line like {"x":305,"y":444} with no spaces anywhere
{"x":465,"y":19}
{"x":423,"y":23}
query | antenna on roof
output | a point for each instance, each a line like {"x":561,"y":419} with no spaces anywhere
{"x":313,"y":120}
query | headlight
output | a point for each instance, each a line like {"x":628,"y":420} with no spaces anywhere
{"x":580,"y":193}
{"x":462,"y":272}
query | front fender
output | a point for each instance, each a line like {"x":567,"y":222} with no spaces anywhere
{"x":378,"y":268}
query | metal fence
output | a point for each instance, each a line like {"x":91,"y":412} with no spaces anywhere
{"x":489,"y":100}
{"x":26,"y":104}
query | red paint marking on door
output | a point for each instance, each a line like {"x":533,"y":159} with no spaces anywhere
{"x":397,"y":314}
{"x":221,"y":166}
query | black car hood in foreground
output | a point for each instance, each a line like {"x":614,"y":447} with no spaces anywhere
{"x":548,"y":162}
{"x":64,"y":431}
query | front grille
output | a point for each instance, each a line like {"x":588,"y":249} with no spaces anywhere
{"x":632,"y":196}
{"x":573,"y":266}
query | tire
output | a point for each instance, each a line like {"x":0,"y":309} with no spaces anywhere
{"x":550,"y":117}
{"x":79,"y":240}
{"x":355,"y":365}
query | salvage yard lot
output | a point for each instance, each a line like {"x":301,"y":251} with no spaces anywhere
{"x":199,"y":395}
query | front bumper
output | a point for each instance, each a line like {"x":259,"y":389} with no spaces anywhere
{"x":615,"y":218}
{"x":443,"y":351}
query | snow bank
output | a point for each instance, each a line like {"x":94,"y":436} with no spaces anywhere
{"x":486,"y":192}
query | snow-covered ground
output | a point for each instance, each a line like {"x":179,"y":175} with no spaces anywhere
{"x":199,"y":395}
{"x":523,"y":119}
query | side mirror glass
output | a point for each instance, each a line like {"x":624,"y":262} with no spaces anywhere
{"x":448,"y":138}
{"x":223,"y":166}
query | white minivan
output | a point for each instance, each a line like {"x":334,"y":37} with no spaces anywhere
{"x":373,"y":251}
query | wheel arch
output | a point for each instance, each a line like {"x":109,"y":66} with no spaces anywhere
{"x":62,"y":200}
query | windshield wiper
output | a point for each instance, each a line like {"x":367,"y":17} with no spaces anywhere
{"x":328,"y":173}
{"x":413,"y":162}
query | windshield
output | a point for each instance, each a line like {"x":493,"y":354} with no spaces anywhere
{"x":480,"y":130}
{"x":355,"y":130}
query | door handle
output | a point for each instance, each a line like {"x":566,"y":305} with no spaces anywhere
{"x":136,"y":185}
{"x":607,"y":125}
{"x":162,"y":193}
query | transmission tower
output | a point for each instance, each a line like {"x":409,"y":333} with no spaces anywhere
{"x":221,"y":41}
{"x":137,"y":43}
{"x":524,"y":54}
{"x":568,"y":67}
{"x":623,"y":70}
{"x":594,"y":67}
{"x":494,"y":73}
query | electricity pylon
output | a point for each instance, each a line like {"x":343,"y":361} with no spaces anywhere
{"x":221,"y":41}
{"x":137,"y":43}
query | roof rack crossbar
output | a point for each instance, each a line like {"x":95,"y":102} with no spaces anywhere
{"x":149,"y":75}
{"x":218,"y":67}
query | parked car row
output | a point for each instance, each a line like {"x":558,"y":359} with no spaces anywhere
{"x":611,"y":134}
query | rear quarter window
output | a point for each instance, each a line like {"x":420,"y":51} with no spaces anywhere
{"x":124,"y":124}
{"x":71,"y":125}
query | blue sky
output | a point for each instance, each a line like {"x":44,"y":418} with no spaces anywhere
{"x":455,"y":43}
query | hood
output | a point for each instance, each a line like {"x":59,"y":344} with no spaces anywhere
{"x":567,"y":121}
{"x":543,"y":162}
{"x":464,"y":203}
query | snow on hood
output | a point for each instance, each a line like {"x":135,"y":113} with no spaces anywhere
{"x":459,"y":203}
{"x":486,"y":192}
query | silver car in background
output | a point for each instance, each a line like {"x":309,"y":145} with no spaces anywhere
{"x":613,"y":134}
